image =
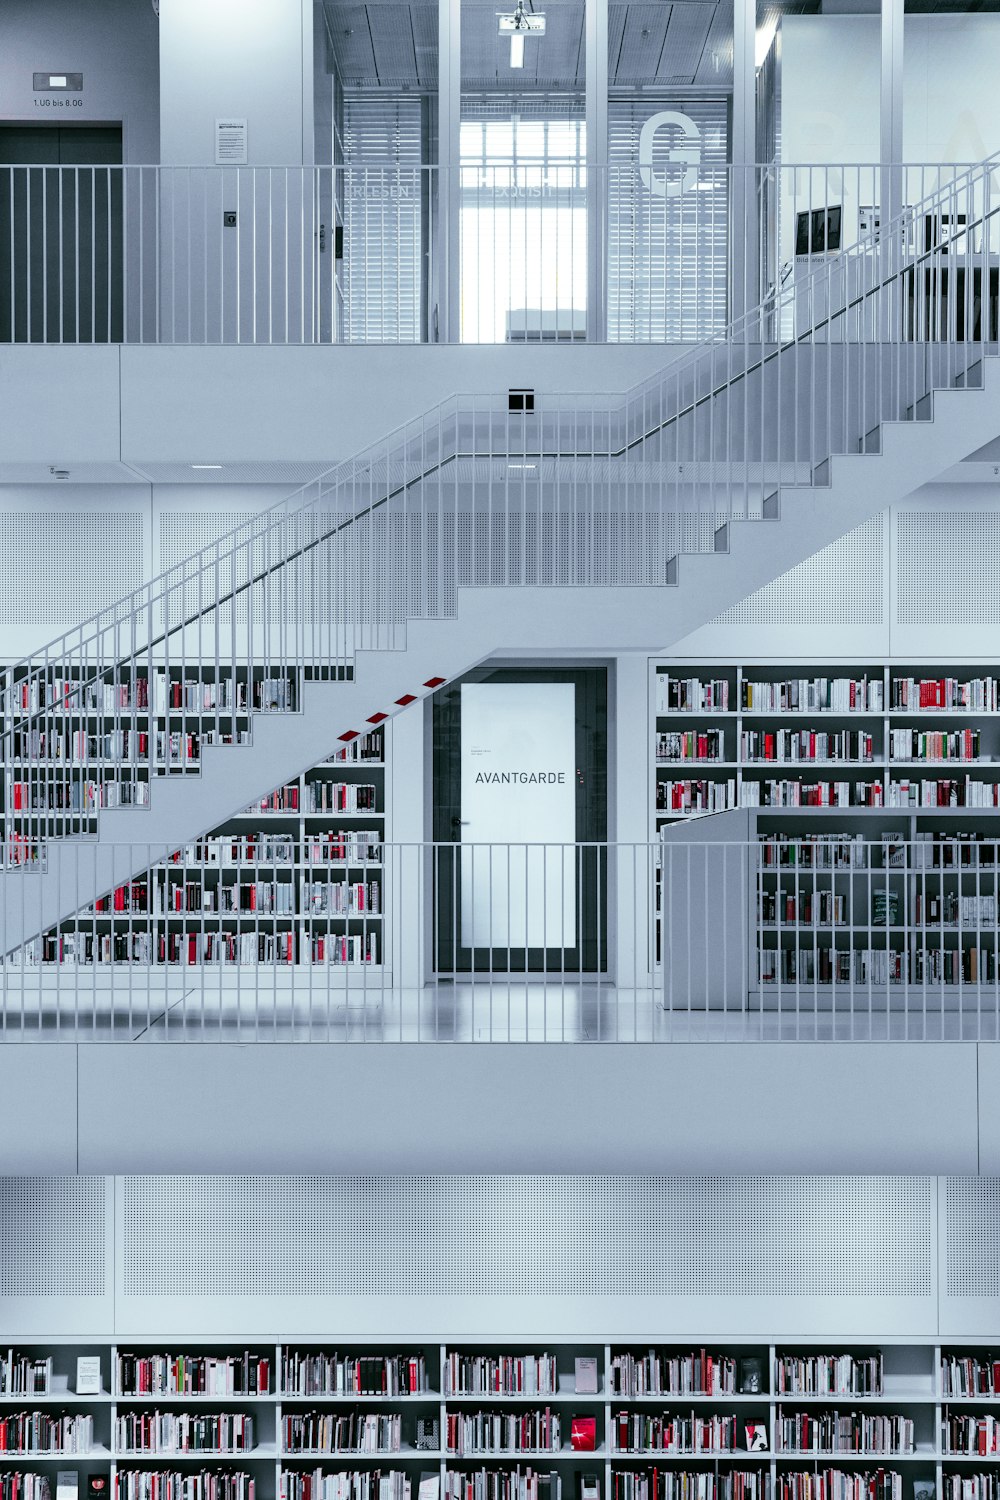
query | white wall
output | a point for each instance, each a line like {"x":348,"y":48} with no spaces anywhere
{"x":227,"y":57}
{"x":830,"y":88}
{"x":915,"y":583}
{"x":114,"y":43}
{"x":951,"y":103}
{"x":691,"y":1108}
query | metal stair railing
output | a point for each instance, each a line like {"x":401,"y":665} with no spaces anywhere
{"x":607,"y":492}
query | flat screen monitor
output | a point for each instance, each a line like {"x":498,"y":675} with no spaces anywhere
{"x":817,"y":231}
{"x":942,"y":230}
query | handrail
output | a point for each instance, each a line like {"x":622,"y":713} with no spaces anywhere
{"x":878,"y":253}
{"x":249,"y":530}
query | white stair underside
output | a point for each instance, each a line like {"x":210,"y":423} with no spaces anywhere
{"x":505,"y":622}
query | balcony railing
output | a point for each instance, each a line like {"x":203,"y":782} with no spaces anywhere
{"x":275,"y":930}
{"x":367,"y":254}
{"x":258,"y":934}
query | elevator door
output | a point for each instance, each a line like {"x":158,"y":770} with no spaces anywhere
{"x":61,"y":236}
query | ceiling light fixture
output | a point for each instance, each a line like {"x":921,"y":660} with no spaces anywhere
{"x":206,"y":466}
{"x":517,"y":24}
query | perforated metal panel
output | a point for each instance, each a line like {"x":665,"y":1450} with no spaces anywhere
{"x":183,"y":532}
{"x":511,"y":1236}
{"x":68,"y":564}
{"x":841,"y":585}
{"x":972,"y":1237}
{"x":948,"y":567}
{"x":52,"y":1237}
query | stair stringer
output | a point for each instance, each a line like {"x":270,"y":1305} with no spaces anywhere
{"x":488,"y":622}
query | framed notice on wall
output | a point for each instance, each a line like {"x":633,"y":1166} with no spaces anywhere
{"x":230,"y":142}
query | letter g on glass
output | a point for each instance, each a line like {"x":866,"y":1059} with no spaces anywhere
{"x":687,"y":150}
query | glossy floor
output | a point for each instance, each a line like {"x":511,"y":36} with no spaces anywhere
{"x":489,"y":1010}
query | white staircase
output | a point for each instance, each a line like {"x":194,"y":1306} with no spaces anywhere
{"x":476,"y":533}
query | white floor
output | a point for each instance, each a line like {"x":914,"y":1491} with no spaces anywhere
{"x":501,"y":1010}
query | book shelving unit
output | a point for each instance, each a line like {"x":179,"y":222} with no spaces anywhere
{"x":838,"y":901}
{"x":297,"y":880}
{"x":863,"y":749}
{"x":104,"y":735}
{"x":724,"y":1421}
{"x":859,"y":734}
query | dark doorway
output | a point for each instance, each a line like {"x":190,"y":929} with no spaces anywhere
{"x":588,"y":953}
{"x":61,"y":234}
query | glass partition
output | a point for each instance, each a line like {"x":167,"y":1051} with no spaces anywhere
{"x":523,"y":201}
{"x":670,"y":81}
{"x":382,"y":68}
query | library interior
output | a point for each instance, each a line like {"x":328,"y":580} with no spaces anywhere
{"x":603,"y":387}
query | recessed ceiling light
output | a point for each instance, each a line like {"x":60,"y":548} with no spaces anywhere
{"x":206,"y":466}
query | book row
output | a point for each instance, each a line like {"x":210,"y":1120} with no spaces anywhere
{"x":970,"y":1434}
{"x":246,"y":1374}
{"x":705,"y":744}
{"x":928,"y":851}
{"x":319,"y":796}
{"x":842,"y":1432}
{"x":819,"y":694}
{"x":78,"y":748}
{"x":264,"y":897}
{"x":723,"y":795}
{"x":644,"y":1432}
{"x":184,"y":1432}
{"x":877,"y":966}
{"x":503,"y":1432}
{"x":662,"y":1373}
{"x":824,"y":694}
{"x":966,"y":1375}
{"x":806,"y":745}
{"x":347,"y":1432}
{"x":45,"y":1432}
{"x":197,"y":948}
{"x":343,"y":847}
{"x":635,"y":1374}
{"x":811,"y":746}
{"x":167,"y":1484}
{"x":76,"y":796}
{"x":316,"y":1373}
{"x":836,"y":695}
{"x":810,"y":908}
{"x":504,"y":1375}
{"x":24,"y":1375}
{"x":914,"y":744}
{"x":170,"y":691}
{"x":807,"y":909}
{"x":366,"y":1484}
{"x":677,"y":1484}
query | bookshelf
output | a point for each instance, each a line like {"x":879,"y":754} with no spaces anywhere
{"x":881,"y":745}
{"x":858,"y":735}
{"x":668,"y":1420}
{"x":106,"y":734}
{"x":295,"y":881}
{"x":839,"y":901}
